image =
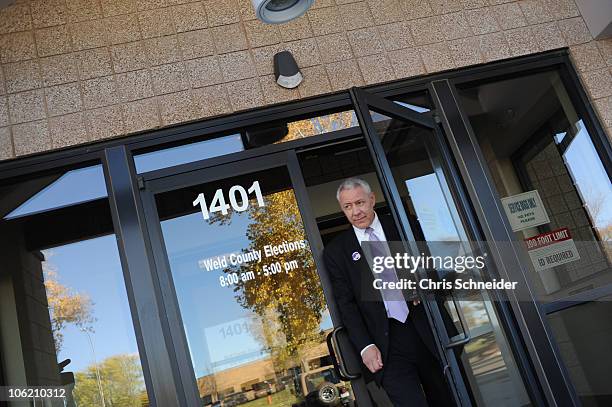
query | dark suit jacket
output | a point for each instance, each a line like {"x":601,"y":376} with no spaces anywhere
{"x":365,"y":318}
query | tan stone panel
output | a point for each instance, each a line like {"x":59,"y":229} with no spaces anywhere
{"x":123,"y":28}
{"x":17,"y":47}
{"x":93,"y":63}
{"x":195,"y":44}
{"x":385,"y":11}
{"x":169,"y":78}
{"x":339,"y":2}
{"x":63,"y":99}
{"x":26,"y":106}
{"x":344,"y":74}
{"x":245,"y":94}
{"x":296,"y":29}
{"x":356,"y":15}
{"x":465,"y":51}
{"x":229,"y":38}
{"x":2,"y":87}
{"x":163,"y":50}
{"x":237,"y":65}
{"x":561,"y":9}
{"x":315,"y":81}
{"x":6,"y":144}
{"x":99,"y":92}
{"x":263,"y":58}
{"x":413,"y":9}
{"x":587,"y":56}
{"x":548,"y":36}
{"x":15,"y":18}
{"x":117,"y":7}
{"x":605,"y":46}
{"x":396,"y":36}
{"x":536,"y":11}
{"x":260,"y":34}
{"x":134,"y":85}
{"x":273,"y":93}
{"x":305,"y":52}
{"x":142,"y":5}
{"x":189,"y":17}
{"x":104,"y":122}
{"x":83,"y":10}
{"x":455,"y":25}
{"x":481,"y":20}
{"x":322,"y":3}
{"x":176,"y":107}
{"x":141,"y":115}
{"x":470,"y":4}
{"x":334,"y":47}
{"x":20,"y":76}
{"x":68,"y":130}
{"x":575,"y":31}
{"x":445,"y":6}
{"x":325,"y":20}
{"x":406,"y":62}
{"x":204,"y":71}
{"x":365,"y":41}
{"x":4,"y":116}
{"x":48,"y":13}
{"x":598,"y":83}
{"x":604,"y":108}
{"x":521,"y":41}
{"x":86,"y":35}
{"x":129,"y":57}
{"x":427,"y":30}
{"x":156,"y":23}
{"x":494,"y":46}
{"x":58,"y":69}
{"x":376,"y":69}
{"x":509,"y":16}
{"x":33,"y":137}
{"x":222,"y":12}
{"x":210,"y":101}
{"x":436,"y":57}
{"x":246,"y":10}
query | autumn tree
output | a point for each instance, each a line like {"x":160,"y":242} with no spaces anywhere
{"x":65,"y":306}
{"x":289,"y":304}
{"x":121,"y":382}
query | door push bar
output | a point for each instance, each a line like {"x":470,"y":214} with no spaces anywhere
{"x":337,"y":358}
{"x":466,"y":332}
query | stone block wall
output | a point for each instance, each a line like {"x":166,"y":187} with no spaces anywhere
{"x":76,"y":71}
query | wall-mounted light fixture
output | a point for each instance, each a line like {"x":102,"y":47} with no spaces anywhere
{"x":280,"y":11}
{"x":286,"y":71}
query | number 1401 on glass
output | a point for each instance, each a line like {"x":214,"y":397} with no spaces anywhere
{"x":218,"y":203}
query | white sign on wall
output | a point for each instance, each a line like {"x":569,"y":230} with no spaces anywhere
{"x":552,"y":249}
{"x":525,"y":210}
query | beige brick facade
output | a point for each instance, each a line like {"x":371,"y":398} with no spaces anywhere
{"x":76,"y":71}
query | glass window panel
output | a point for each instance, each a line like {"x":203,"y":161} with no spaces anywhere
{"x":188,"y":153}
{"x":54,"y":192}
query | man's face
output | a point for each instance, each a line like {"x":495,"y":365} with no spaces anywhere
{"x":358,"y":206}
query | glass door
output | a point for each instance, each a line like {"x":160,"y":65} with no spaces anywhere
{"x":237,"y":266}
{"x":416,"y":169}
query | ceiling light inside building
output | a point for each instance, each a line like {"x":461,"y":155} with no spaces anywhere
{"x":280,"y":11}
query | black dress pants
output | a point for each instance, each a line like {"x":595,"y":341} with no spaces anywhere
{"x":412,"y":376}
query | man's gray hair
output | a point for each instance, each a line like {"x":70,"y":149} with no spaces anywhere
{"x":352,"y":183}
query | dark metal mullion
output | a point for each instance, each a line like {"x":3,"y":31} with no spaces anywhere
{"x":316,"y":245}
{"x":170,"y":299}
{"x":393,"y":197}
{"x":378,"y":103}
{"x":143,"y":291}
{"x":551,"y":371}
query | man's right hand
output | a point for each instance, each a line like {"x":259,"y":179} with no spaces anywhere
{"x":372,"y":359}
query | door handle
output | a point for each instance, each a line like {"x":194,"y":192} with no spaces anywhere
{"x":466,"y":332}
{"x":337,"y":358}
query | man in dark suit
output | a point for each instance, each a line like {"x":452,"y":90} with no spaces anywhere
{"x":393,"y":336}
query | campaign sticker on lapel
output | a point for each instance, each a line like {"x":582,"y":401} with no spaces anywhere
{"x":356,"y":256}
